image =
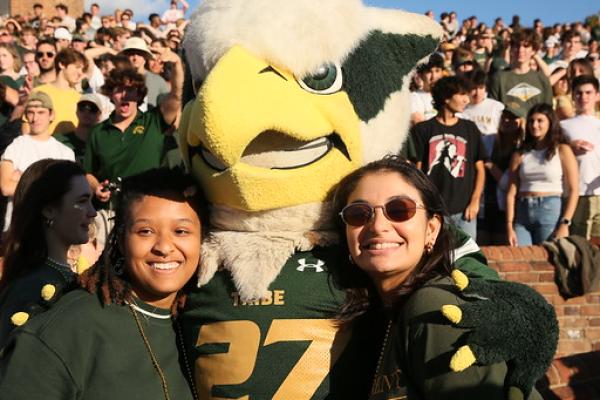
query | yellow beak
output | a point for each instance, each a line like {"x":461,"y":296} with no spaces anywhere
{"x":258,"y":141}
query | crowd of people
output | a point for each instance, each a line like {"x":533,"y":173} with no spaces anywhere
{"x":90,"y":106}
{"x":71,"y":88}
{"x":511,"y":170}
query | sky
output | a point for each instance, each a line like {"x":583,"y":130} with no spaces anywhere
{"x":550,"y":11}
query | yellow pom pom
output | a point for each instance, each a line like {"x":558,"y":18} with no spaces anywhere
{"x":452,"y":312}
{"x":19,"y":318}
{"x":460,"y":279}
{"x":462,"y":359}
{"x":48,"y":292}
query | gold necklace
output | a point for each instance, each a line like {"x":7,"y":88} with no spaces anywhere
{"x":381,"y":355}
{"x":185,"y":360}
{"x":157,"y":367}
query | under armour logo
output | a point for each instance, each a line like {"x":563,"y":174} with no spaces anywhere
{"x":304,"y":265}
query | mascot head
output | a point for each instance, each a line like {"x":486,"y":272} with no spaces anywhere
{"x":293,"y":95}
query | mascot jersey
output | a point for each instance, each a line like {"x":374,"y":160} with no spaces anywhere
{"x":291,"y":96}
{"x":287,"y":344}
{"x":284,"y":346}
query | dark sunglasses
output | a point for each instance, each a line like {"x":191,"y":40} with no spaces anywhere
{"x":398,"y":209}
{"x":87,"y":107}
{"x":41,"y":54}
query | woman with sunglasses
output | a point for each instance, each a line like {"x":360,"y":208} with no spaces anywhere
{"x":398,"y":245}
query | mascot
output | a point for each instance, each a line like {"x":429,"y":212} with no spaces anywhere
{"x":290,"y":97}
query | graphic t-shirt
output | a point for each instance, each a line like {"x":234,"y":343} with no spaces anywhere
{"x":520,"y":92}
{"x":448,"y":155}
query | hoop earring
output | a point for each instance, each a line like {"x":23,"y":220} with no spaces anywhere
{"x":351,"y":260}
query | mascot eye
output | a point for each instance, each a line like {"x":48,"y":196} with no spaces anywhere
{"x":327,"y":79}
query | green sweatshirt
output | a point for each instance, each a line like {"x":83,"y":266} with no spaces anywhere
{"x":24,"y":295}
{"x":80,"y":349}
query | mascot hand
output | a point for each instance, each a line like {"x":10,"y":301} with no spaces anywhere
{"x":508,"y":322}
{"x":49,"y":294}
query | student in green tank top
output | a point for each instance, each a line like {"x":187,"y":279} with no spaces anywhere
{"x":119,"y":339}
{"x":400,"y":268}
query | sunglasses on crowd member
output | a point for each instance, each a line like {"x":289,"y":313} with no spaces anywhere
{"x":89,"y":107}
{"x":49,"y":54}
{"x":397,"y":209}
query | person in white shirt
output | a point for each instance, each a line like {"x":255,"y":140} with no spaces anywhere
{"x":174,"y":13}
{"x":27,"y":149}
{"x":485,"y":112}
{"x":572,"y":48}
{"x":421,"y":102}
{"x":62,"y":11}
{"x":583,"y":133}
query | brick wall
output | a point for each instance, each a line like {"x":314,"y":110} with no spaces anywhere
{"x":578,"y":318}
{"x":25,"y":7}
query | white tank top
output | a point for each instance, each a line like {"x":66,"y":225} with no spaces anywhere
{"x":536,"y":174}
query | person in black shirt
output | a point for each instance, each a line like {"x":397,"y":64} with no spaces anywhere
{"x":450,"y":151}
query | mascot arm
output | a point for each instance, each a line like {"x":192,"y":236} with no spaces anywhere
{"x":507,"y":322}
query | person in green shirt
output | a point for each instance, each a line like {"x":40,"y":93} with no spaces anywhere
{"x":400,"y":266}
{"x":88,"y":115}
{"x":118,"y":338}
{"x":131,"y":141}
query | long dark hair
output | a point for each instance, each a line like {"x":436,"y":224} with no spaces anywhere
{"x":105,"y":277}
{"x":553,"y":138}
{"x":360,"y":292}
{"x":43,"y":184}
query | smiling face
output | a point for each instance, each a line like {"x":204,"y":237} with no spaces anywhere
{"x":161,"y":247}
{"x":539,"y":124}
{"x":389,"y":251}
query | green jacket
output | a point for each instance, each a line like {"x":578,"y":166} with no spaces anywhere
{"x":415,"y":357}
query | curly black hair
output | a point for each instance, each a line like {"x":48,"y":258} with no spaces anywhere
{"x":105,"y":277}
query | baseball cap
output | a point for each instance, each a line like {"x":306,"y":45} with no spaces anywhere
{"x":62,"y":33}
{"x":39,"y":99}
{"x":91,"y":98}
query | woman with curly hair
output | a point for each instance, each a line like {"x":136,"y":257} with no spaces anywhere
{"x":118,"y":338}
